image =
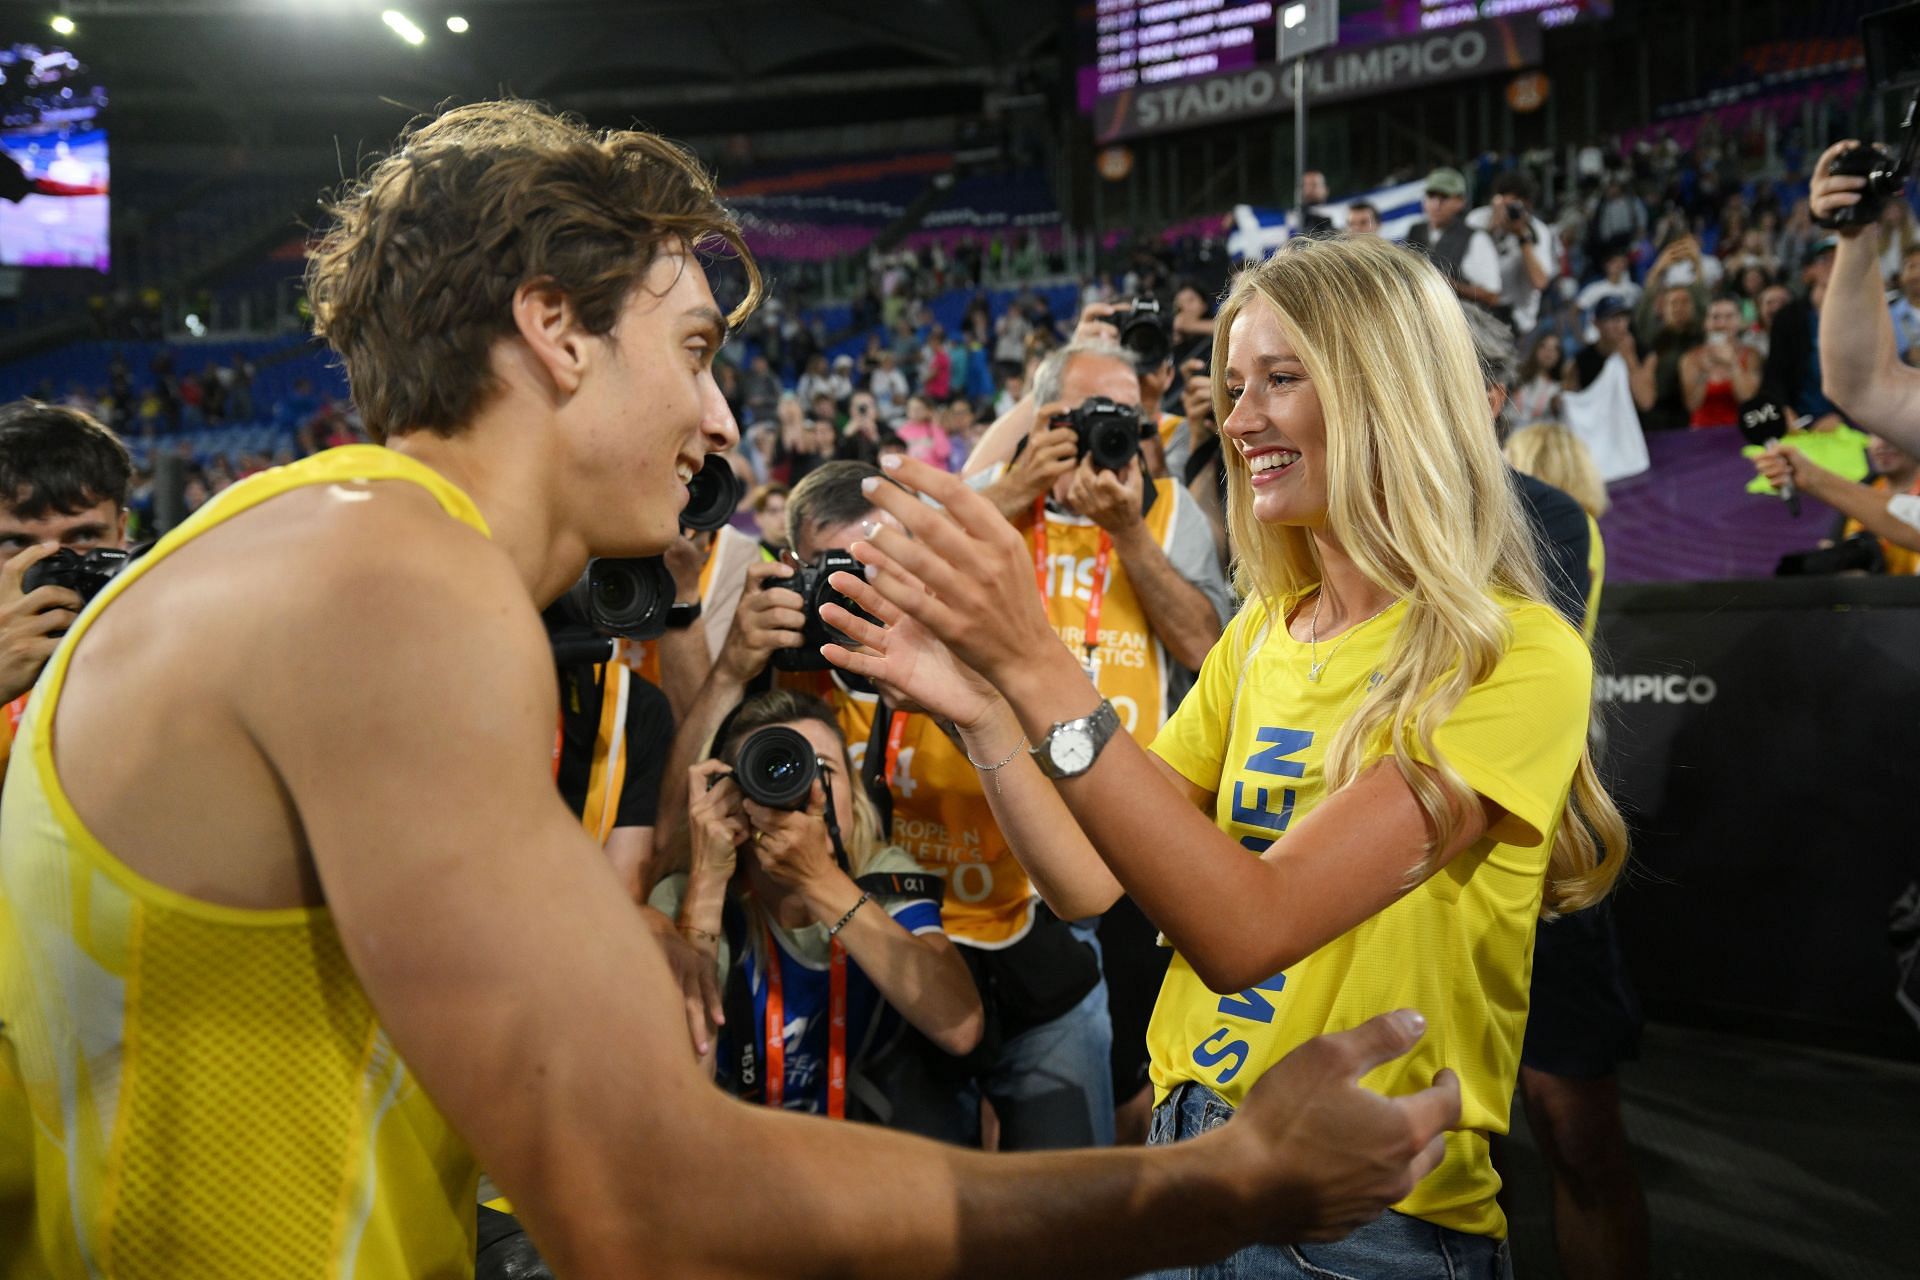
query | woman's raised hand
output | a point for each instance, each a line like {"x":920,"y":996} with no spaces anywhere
{"x":963,"y":573}
{"x":913,"y":669}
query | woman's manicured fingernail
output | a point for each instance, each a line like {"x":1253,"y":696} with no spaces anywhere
{"x":870,"y":484}
{"x":869,"y":529}
{"x":891,"y":462}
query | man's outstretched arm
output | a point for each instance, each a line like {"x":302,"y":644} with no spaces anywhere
{"x":513,"y":976}
{"x":1860,"y":368}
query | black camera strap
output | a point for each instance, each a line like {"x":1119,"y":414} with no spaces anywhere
{"x":903,"y":884}
{"x":833,"y":822}
{"x":873,"y":768}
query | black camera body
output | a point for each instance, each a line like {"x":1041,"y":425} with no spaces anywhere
{"x":1109,"y":432}
{"x":1146,"y":331}
{"x":810,"y":581}
{"x":1885,"y":172}
{"x":628,"y":598}
{"x":775,"y":767}
{"x":713,"y":495}
{"x":82,"y":572}
{"x":1891,"y":41}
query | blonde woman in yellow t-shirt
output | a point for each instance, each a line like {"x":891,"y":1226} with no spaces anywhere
{"x":1388,"y":744}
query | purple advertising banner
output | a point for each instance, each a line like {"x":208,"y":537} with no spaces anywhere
{"x":1336,"y":75}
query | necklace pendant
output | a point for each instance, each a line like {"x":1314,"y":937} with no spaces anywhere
{"x":1313,"y":671}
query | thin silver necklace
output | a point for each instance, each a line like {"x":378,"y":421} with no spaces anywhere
{"x":1315,"y":666}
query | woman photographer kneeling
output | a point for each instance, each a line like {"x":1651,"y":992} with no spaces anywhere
{"x":821,"y":949}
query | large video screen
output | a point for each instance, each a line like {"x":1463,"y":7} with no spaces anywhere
{"x":53,"y":161}
{"x":1125,"y":44}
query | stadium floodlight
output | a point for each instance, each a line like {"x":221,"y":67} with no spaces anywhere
{"x":404,"y":27}
{"x":457,"y":24}
{"x":62,"y":24}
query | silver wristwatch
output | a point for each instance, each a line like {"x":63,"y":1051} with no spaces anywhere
{"x":1071,"y":746}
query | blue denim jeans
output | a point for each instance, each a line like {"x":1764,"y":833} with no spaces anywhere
{"x":1052,"y":1085}
{"x":1391,"y":1247}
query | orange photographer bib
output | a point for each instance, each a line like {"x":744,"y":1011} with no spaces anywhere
{"x":1089,"y":596}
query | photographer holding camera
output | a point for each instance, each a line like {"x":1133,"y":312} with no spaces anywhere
{"x":824,"y":935}
{"x":1860,"y":367}
{"x":1094,"y":498}
{"x":1524,"y":244}
{"x":63,"y":487}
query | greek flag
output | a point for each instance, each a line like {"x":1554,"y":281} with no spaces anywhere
{"x":1258,"y":231}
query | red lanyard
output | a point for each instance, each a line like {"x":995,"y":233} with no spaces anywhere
{"x":15,"y":710}
{"x":836,"y":1029}
{"x":896,"y":730}
{"x":559,"y":741}
{"x":1097,"y":593}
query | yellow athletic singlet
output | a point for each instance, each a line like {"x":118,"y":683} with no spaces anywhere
{"x":198,"y":1090}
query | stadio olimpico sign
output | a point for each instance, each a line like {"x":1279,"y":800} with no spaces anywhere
{"x":1335,"y":75}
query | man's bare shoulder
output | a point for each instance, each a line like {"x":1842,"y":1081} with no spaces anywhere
{"x":319,"y":565}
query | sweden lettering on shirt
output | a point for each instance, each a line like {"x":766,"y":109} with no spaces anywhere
{"x":1263,"y":812}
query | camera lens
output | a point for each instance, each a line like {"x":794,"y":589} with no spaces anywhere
{"x":617,"y":597}
{"x":1147,"y":341}
{"x":1113,"y":440}
{"x":712,"y":496}
{"x":775,"y":767}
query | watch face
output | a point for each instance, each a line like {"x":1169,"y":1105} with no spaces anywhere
{"x":1072,"y":750}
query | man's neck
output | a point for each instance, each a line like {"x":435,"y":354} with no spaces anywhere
{"x":507,"y":470}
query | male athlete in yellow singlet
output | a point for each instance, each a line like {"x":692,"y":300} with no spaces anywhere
{"x":295,"y":932}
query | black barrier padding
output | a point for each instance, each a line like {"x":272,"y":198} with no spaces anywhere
{"x":1764,"y":738}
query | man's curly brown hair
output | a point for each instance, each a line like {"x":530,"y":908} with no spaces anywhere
{"x":414,"y":281}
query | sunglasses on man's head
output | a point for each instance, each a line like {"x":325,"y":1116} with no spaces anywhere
{"x":1438,"y":195}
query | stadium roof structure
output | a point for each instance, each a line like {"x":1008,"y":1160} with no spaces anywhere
{"x":250,"y":69}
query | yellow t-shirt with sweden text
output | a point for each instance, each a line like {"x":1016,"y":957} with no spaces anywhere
{"x":1459,"y":948}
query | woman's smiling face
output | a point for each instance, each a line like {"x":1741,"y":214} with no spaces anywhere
{"x":1276,"y":421}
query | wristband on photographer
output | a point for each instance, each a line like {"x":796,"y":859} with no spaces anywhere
{"x":841,"y":923}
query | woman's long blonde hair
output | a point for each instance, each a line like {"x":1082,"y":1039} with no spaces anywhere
{"x":1550,"y":452}
{"x":1419,"y":498}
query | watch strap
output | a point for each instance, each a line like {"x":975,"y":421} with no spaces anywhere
{"x":680,"y":616}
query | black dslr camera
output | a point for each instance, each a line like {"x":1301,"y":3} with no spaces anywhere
{"x":620,"y":597}
{"x":1885,"y":172}
{"x":775,"y":767}
{"x":1146,"y":331}
{"x":1109,"y":432}
{"x":81,"y":572}
{"x":1892,"y":42}
{"x":629,"y":598}
{"x":810,"y":581}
